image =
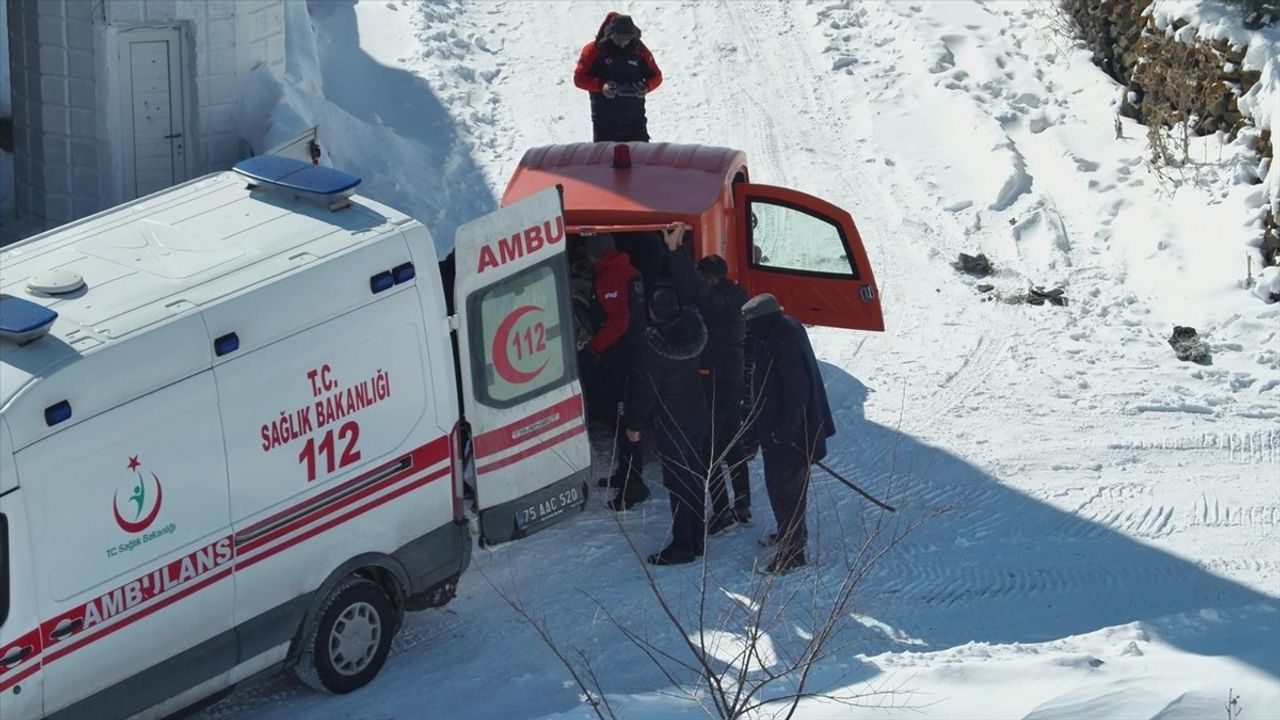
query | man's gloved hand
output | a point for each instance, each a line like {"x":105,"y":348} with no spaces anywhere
{"x":609,"y":90}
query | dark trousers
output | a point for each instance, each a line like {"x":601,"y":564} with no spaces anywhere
{"x":683,"y":474}
{"x":726,"y":452}
{"x":786,"y":479}
{"x":630,"y":458}
{"x":620,"y":129}
{"x":730,"y":459}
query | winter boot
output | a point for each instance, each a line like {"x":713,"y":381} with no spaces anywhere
{"x":632,"y":494}
{"x":720,"y":522}
{"x":785,"y":561}
{"x":672,"y":555}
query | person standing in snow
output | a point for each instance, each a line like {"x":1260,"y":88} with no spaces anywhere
{"x":720,"y":302}
{"x":619,"y":299}
{"x":618,"y":71}
{"x":666,"y":385}
{"x":793,"y":423}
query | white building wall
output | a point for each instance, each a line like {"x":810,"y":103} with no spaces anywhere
{"x":68,"y":159}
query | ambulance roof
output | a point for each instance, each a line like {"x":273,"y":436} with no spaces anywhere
{"x":664,"y":180}
{"x":159,"y":258}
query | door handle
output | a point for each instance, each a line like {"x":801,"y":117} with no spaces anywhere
{"x":16,"y":655}
{"x":62,"y":630}
{"x":175,"y":135}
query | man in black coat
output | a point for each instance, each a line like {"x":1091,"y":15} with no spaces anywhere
{"x":720,"y":302}
{"x":793,"y":422}
{"x":666,"y":385}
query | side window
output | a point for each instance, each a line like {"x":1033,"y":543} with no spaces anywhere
{"x":786,"y":238}
{"x":519,"y":347}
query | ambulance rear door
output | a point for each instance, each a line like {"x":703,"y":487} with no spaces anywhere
{"x":808,"y":253}
{"x":520,"y":390}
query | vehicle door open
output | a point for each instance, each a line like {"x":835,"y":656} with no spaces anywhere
{"x":520,"y":390}
{"x":808,"y":253}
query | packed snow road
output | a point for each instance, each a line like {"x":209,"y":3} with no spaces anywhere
{"x":1091,"y":515}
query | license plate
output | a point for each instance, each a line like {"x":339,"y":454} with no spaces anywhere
{"x":549,"y":507}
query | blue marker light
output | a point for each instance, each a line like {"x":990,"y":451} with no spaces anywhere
{"x":403,"y":273}
{"x":228,"y":343}
{"x":381,"y":281}
{"x":57,"y":412}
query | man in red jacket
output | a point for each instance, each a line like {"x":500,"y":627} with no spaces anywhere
{"x":619,"y":298}
{"x":618,"y":71}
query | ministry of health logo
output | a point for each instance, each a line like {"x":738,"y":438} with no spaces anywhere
{"x":137,"y":501}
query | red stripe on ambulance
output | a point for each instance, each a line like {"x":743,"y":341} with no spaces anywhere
{"x":169,"y":583}
{"x":532,"y":450}
{"x":18,"y":671}
{"x":508,"y":436}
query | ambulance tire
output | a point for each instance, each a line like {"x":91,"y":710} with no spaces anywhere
{"x":349,"y":643}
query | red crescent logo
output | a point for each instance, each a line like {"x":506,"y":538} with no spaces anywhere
{"x":501,"y":360}
{"x":135,"y":527}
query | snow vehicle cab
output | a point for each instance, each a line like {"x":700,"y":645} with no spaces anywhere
{"x":805,"y":251}
{"x":231,"y":424}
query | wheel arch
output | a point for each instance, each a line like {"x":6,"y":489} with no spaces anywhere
{"x":384,"y":570}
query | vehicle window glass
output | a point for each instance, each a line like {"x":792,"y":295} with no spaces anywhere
{"x":785,"y":238}
{"x":4,"y":569}
{"x":518,"y":345}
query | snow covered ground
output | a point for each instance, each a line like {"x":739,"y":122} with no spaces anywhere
{"x":1103,"y":520}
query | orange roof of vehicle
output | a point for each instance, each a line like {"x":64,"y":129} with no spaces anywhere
{"x":664,"y":180}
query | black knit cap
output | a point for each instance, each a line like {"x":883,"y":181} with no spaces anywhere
{"x":713,"y":265}
{"x":622,"y":24}
{"x":664,"y":303}
{"x":598,"y":245}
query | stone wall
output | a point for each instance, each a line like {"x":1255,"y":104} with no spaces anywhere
{"x":1170,"y":81}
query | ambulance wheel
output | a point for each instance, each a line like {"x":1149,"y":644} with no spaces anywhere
{"x":349,"y":643}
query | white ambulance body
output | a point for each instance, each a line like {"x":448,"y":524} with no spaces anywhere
{"x":237,"y":446}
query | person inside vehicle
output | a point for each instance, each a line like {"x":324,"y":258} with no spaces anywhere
{"x":666,"y":386}
{"x":793,"y":423}
{"x":720,"y":302}
{"x":618,"y":71}
{"x":610,"y":354}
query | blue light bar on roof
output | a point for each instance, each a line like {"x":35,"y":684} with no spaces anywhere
{"x":300,"y":179}
{"x":22,"y":321}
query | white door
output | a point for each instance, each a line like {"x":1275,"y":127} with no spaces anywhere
{"x":153,"y":102}
{"x":133,"y":552}
{"x":520,"y":389}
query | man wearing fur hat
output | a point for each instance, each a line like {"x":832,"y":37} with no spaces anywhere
{"x":793,"y":421}
{"x":666,"y":385}
{"x":618,"y":71}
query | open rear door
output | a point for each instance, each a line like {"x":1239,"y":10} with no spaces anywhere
{"x":520,"y":389}
{"x":808,"y":253}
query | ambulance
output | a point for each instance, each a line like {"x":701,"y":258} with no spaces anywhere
{"x":231,"y":427}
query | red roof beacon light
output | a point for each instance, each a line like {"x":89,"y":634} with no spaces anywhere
{"x":621,"y":156}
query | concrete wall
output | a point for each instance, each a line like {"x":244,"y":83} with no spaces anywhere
{"x":68,"y":156}
{"x":53,"y":70}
